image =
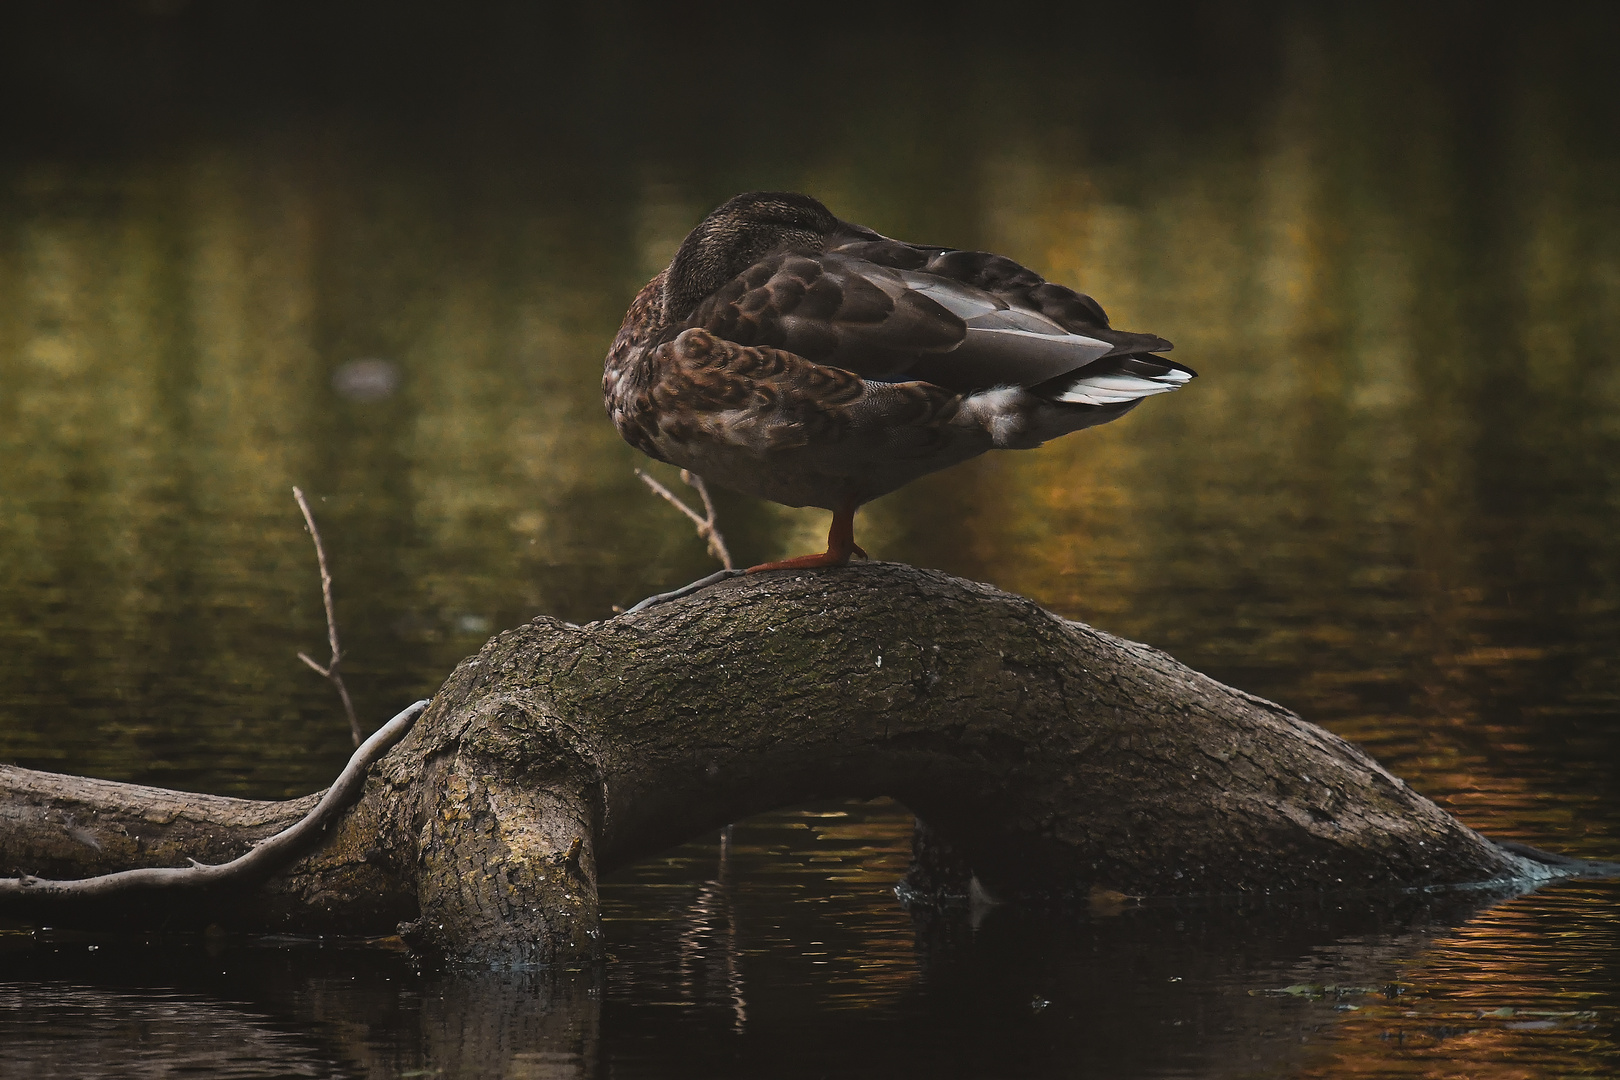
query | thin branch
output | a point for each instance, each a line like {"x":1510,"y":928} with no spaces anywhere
{"x":330,"y":671}
{"x":707,"y":530}
{"x":685,"y":590}
{"x":266,"y":857}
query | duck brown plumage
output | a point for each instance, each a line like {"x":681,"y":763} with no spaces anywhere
{"x":799,"y":358}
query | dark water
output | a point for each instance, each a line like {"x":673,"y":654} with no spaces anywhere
{"x":1390,"y":241}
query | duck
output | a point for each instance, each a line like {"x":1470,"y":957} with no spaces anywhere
{"x":789,"y":355}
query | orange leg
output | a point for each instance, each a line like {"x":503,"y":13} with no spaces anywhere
{"x":840,"y":546}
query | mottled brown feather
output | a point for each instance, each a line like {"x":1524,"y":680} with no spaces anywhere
{"x":827,"y":309}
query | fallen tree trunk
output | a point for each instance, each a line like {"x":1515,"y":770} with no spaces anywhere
{"x":1049,"y":761}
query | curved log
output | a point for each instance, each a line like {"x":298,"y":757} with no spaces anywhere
{"x":1049,"y":760}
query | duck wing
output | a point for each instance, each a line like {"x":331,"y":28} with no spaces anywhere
{"x":1022,"y":329}
{"x":834,"y":310}
{"x":959,"y":319}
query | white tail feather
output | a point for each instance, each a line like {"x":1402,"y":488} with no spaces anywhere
{"x":1116,"y":388}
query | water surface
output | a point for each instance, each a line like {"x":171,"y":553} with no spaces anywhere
{"x":1390,"y":243}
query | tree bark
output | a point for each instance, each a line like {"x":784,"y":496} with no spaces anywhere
{"x":1050,"y":762}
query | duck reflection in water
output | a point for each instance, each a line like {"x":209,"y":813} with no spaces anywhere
{"x":795,"y":357}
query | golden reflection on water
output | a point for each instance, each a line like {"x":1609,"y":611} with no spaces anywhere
{"x":1502,"y":996}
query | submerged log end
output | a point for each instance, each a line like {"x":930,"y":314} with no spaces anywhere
{"x":506,"y":878}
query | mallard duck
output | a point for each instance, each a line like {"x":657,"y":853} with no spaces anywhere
{"x":792,"y":356}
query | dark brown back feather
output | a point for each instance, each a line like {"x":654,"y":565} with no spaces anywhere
{"x":830,"y":309}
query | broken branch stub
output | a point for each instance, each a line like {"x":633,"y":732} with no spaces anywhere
{"x":329,"y":670}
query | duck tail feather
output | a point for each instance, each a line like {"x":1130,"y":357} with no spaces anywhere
{"x":1117,"y":380}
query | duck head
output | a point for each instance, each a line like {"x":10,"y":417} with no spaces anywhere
{"x":738,"y":234}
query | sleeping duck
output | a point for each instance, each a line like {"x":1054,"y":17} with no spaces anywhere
{"x":795,"y":357}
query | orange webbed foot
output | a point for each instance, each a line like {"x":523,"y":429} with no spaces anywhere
{"x":840,"y":546}
{"x":804,"y":562}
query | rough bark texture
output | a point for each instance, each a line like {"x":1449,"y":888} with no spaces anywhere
{"x":1050,"y":760}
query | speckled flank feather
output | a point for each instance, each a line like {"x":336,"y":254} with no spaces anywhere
{"x":792,"y":356}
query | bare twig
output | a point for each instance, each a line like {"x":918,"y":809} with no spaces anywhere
{"x":685,"y":590}
{"x":330,"y":671}
{"x":266,"y":857}
{"x":705,"y":522}
{"x":706,"y":530}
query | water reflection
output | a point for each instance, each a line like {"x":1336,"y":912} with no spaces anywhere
{"x":52,"y":1029}
{"x":809,"y":971}
{"x":1388,"y":238}
{"x":1205,"y":989}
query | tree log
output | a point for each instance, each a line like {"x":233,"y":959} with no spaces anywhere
{"x":1050,"y":762}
